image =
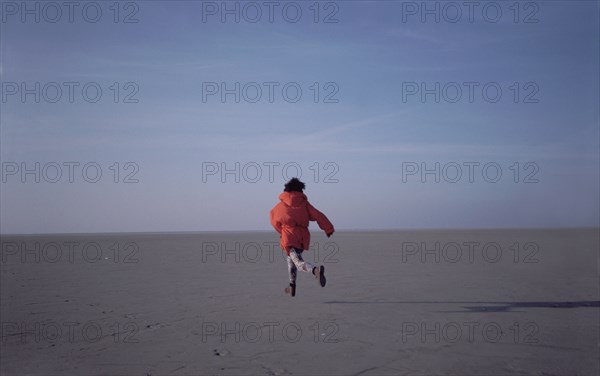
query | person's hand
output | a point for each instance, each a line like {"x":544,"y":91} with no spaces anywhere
{"x":329,"y":234}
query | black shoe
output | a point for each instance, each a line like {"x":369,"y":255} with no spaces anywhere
{"x":291,"y":290}
{"x":319,"y":273}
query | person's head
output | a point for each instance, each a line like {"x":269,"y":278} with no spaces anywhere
{"x":294,"y":185}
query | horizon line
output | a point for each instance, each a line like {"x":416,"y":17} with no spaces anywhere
{"x":315,"y":232}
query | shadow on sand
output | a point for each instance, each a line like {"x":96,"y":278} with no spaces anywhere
{"x":485,"y":306}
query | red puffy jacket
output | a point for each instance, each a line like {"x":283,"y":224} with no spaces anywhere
{"x":290,"y":219}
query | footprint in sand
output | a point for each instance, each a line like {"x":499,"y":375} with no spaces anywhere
{"x":217,"y":352}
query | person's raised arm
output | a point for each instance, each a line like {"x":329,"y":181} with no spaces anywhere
{"x":322,"y":220}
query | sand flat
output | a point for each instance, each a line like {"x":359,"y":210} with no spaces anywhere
{"x":470,"y":302}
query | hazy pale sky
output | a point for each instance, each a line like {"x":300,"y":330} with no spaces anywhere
{"x":502,"y":96}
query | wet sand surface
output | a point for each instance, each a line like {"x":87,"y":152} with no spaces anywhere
{"x":468,"y":302}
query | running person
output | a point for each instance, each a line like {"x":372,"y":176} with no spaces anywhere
{"x":290,"y":218}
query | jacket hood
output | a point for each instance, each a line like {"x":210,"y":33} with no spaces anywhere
{"x":293,"y":199}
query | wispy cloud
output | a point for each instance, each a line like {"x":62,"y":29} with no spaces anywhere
{"x":342,"y":128}
{"x":408,"y":34}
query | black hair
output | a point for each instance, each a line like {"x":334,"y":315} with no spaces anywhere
{"x":294,"y":185}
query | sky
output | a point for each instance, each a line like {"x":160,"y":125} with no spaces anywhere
{"x":396,"y":115}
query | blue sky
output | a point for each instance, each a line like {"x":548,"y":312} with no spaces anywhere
{"x":368,"y":55}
